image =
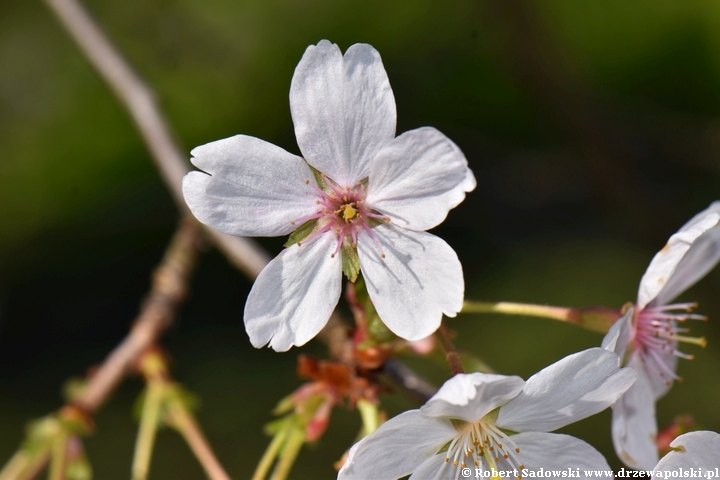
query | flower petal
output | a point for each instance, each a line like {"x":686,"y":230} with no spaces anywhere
{"x":471,"y":396}
{"x":419,"y":279}
{"x":697,"y":262}
{"x":634,"y":429}
{"x":397,"y":448}
{"x":619,"y":335}
{"x":553,"y":451}
{"x":294,"y":295}
{"x":579,"y":385}
{"x":253,"y":188}
{"x":417,"y":178}
{"x":695,"y":450}
{"x":659,"y":284}
{"x":660,"y":384}
{"x":430,"y":469}
{"x":343,"y":109}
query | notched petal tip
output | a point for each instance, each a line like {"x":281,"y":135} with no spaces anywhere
{"x":294,"y":296}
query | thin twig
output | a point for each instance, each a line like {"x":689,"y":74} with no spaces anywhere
{"x":168,"y":290}
{"x":140,"y":103}
{"x":190,"y":430}
{"x":413,"y":384}
{"x":453,"y":358}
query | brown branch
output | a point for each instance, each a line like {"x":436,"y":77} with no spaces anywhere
{"x":168,"y":290}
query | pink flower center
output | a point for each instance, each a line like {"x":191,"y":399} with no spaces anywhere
{"x":657,"y":335}
{"x":344,"y":211}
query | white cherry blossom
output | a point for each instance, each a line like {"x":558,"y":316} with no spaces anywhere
{"x":648,"y":340}
{"x":694,"y":450}
{"x":369,"y":200}
{"x":489,"y":421}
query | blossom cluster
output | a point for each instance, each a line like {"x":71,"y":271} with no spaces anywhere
{"x":359,"y":202}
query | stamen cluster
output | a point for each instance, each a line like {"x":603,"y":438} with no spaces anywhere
{"x":344,"y":211}
{"x":657,"y":334}
{"x":483,"y":440}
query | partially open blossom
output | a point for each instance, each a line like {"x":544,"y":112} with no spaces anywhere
{"x":360,"y":198}
{"x":489,"y":421}
{"x":648,"y":339}
{"x":692,"y":451}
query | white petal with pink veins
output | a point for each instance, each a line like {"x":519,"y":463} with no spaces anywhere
{"x":343,"y":109}
{"x":293,"y":297}
{"x":418,"y":280}
{"x":417,"y":178}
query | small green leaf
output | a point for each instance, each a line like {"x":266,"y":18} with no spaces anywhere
{"x":302,"y":232}
{"x":350,"y":262}
{"x":73,"y":388}
{"x":284,"y":405}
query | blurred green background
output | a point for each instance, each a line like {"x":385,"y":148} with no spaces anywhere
{"x":592,"y":128}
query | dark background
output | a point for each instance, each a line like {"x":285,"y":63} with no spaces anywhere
{"x":592,"y":128}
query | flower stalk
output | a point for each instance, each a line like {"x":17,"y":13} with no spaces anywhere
{"x":149,"y":422}
{"x":167,"y":402}
{"x":58,"y":457}
{"x":597,"y":319}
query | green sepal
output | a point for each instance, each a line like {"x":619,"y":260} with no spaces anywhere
{"x":301,"y":233}
{"x":350,"y":261}
{"x":319,"y":179}
{"x":379,"y":332}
